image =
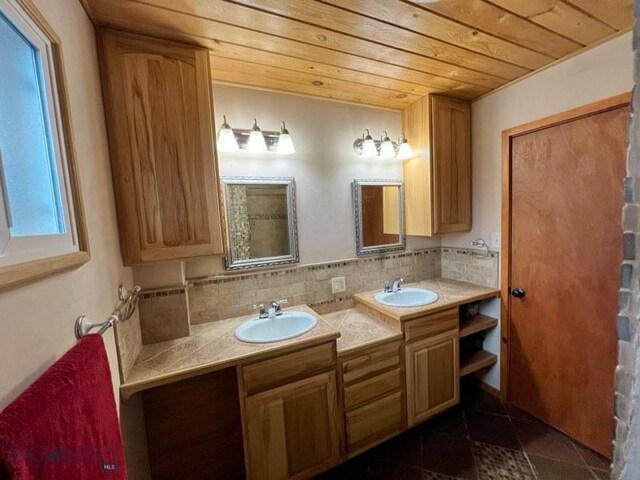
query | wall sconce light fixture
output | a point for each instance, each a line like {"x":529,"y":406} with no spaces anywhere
{"x":367,"y":147}
{"x":254,"y":140}
{"x":404,"y":148}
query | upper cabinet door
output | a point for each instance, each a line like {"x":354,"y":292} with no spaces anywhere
{"x":451,"y":157}
{"x":159,"y":110}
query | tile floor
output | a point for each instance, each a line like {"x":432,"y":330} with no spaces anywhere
{"x":481,"y":439}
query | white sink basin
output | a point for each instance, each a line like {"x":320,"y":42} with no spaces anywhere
{"x":407,"y":297}
{"x":290,"y":324}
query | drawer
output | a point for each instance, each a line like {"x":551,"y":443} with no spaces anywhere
{"x":430,"y":325}
{"x":371,"y":362}
{"x":287,"y":368}
{"x":363,"y":392}
{"x":374,"y":422}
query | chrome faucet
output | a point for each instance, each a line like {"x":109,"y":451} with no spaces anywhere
{"x":395,"y":285}
{"x":273,"y":311}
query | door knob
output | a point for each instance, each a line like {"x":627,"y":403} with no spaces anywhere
{"x":517,"y":292}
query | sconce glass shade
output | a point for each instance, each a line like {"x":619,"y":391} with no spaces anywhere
{"x":226,"y":139}
{"x":285,"y":144}
{"x":404,"y":148}
{"x":386,"y":147}
{"x":369,"y":149}
{"x":256,"y":143}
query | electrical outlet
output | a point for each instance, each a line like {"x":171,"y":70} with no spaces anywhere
{"x":495,"y":239}
{"x":338,"y":285}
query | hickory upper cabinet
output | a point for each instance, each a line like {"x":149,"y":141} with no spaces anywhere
{"x":159,"y":110}
{"x":438,"y":179}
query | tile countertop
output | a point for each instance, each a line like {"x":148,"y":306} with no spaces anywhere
{"x":451,"y":293}
{"x":212,"y":346}
{"x":359,"y":330}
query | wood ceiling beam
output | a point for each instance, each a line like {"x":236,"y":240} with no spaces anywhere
{"x":373,"y":32}
{"x":502,"y":23}
{"x":559,"y":17}
{"x":429,"y":24}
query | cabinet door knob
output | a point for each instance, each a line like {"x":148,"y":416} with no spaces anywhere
{"x":518,"y":292}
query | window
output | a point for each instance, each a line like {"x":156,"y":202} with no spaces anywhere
{"x":37,"y":218}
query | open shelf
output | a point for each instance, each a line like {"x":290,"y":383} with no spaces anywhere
{"x":476,"y":324}
{"x":474,"y":361}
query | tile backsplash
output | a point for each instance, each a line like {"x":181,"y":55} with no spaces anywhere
{"x":471,"y":265}
{"x":226,"y":296}
{"x":166,"y":314}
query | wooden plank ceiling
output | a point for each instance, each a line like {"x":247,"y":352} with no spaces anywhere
{"x":383,"y":53}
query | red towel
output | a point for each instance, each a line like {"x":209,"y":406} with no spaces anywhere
{"x":65,"y":425}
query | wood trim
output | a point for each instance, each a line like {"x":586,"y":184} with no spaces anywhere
{"x":14,"y":276}
{"x":20,"y":274}
{"x":594,"y":108}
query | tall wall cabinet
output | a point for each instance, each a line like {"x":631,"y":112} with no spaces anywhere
{"x":438,"y":179}
{"x":159,"y":110}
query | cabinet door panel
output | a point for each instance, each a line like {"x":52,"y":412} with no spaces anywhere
{"x":451,"y":157}
{"x":432,"y":376}
{"x":159,"y":114}
{"x":374,"y":422}
{"x":292,"y":431}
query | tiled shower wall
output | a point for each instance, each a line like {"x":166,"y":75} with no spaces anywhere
{"x":166,"y":314}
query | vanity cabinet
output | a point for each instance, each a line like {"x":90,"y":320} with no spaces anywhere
{"x":292,"y":430}
{"x":438,"y":179}
{"x":432,"y":376}
{"x":158,"y":105}
{"x":373,"y":395}
{"x":291,"y":420}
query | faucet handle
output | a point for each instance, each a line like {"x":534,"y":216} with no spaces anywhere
{"x":385,"y":283}
{"x":277,"y":304}
{"x":260,"y":308}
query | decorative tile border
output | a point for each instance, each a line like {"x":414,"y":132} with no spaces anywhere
{"x":163,"y":293}
{"x":232,"y":277}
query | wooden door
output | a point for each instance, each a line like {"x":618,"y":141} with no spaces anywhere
{"x":432,"y":376}
{"x":566,"y":248}
{"x":158,"y":103}
{"x":292,"y":432}
{"x":451,"y":157}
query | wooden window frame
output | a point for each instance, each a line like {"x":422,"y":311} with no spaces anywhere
{"x":18,"y":274}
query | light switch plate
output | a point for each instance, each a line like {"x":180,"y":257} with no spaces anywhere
{"x":495,"y":239}
{"x":338,"y":285}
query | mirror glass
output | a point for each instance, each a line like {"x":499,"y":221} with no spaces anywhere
{"x":260,"y":221}
{"x":379,"y":215}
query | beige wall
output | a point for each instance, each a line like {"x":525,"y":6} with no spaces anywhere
{"x":36,"y":321}
{"x":324,"y":166}
{"x":601,"y":72}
